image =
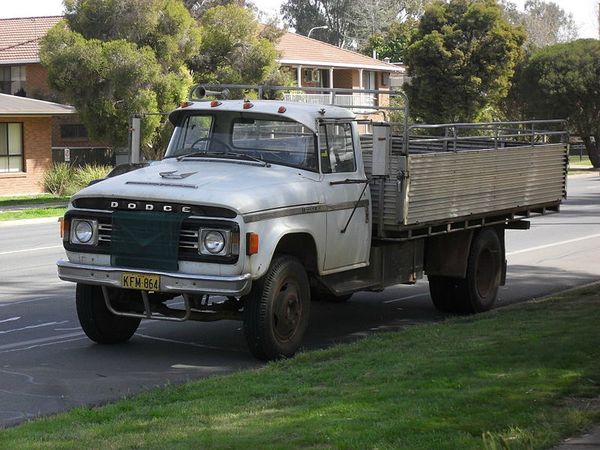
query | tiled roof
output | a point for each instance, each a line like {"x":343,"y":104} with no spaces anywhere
{"x":11,"y":105}
{"x":20,"y":38}
{"x":298,"y":49}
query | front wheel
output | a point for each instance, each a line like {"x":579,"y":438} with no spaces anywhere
{"x":276,"y":310}
{"x":98,"y":323}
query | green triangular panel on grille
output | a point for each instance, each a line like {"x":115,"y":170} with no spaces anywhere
{"x":145,"y":240}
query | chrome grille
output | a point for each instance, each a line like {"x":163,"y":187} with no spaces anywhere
{"x":188,"y":237}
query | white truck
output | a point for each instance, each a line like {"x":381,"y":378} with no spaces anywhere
{"x":260,"y":206}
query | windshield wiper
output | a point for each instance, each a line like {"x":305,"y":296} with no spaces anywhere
{"x":226,"y":155}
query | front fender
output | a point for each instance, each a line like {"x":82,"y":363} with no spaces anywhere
{"x":272,"y":231}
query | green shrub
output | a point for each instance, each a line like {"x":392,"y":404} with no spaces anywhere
{"x":86,"y":174}
{"x":58,"y":180}
{"x":62,"y":179}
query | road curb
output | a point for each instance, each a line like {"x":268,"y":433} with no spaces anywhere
{"x":566,"y":291}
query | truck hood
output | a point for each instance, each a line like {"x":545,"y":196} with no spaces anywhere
{"x":241,"y":186}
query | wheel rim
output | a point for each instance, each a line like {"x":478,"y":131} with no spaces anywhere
{"x":287,"y":310}
{"x":486,"y":273}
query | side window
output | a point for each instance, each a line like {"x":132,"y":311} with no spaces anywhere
{"x":195,"y":132}
{"x":336,"y":150}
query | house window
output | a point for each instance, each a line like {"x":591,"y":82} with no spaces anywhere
{"x":11,"y":147}
{"x":12,"y":79}
{"x":76,"y":131}
{"x":312,"y":76}
{"x":369,"y":79}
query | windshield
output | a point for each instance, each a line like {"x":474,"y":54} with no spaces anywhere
{"x":274,"y":141}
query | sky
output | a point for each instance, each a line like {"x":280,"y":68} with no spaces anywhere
{"x":585,"y":12}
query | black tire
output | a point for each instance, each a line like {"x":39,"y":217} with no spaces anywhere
{"x":479,"y":290}
{"x":484,"y":272}
{"x":444,"y":292}
{"x":98,"y":323}
{"x":277,"y":309}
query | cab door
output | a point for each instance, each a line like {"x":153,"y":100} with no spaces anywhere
{"x":347,"y":197}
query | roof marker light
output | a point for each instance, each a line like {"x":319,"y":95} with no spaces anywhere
{"x":281,"y":109}
{"x":185,"y":104}
{"x":215,"y":103}
{"x":247,"y":105}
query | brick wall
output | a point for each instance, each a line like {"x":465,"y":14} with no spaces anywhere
{"x":37,"y":133}
{"x":344,"y":78}
{"x":37,"y":83}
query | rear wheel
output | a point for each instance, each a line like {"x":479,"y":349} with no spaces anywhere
{"x":478,"y":291}
{"x":276,"y":310}
{"x":444,"y":293}
{"x":98,"y":323}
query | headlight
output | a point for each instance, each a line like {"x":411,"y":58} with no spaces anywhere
{"x":217,"y":243}
{"x":214,"y":242}
{"x":84,"y":232}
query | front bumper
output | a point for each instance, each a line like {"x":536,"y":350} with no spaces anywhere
{"x":181,"y":283}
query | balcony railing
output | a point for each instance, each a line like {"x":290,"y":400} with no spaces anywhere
{"x":360,"y":100}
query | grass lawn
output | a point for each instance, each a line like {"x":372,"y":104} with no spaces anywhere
{"x":33,"y":199}
{"x":32,"y":213}
{"x":518,"y":377}
{"x":577,"y":162}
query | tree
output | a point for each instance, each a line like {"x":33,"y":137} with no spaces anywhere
{"x":350,"y":22}
{"x":302,"y":15}
{"x":197,"y":8}
{"x":392,"y":42}
{"x":371,"y":18}
{"x":563,"y":81}
{"x":461,"y":60}
{"x":114,"y":58}
{"x":235,"y":48}
{"x":163,"y":25}
{"x":546,"y":23}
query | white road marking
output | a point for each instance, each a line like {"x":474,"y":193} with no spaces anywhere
{"x":12,"y":319}
{"x":406,"y":298}
{"x":554,"y":244}
{"x":32,"y":300}
{"x":30,"y":327}
{"x":188,"y":366}
{"x":29,"y":378}
{"x":19,"y":394}
{"x":43,"y":345}
{"x":33,"y":342}
{"x":193,"y":344}
{"x":12,"y":252}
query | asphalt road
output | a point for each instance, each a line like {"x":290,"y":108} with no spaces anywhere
{"x":48,"y":365}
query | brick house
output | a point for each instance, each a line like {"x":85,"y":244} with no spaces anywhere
{"x":20,"y":70}
{"x":22,"y":74}
{"x":25,"y":142}
{"x":313,"y":63}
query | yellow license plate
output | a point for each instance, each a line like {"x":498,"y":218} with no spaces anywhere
{"x":140,"y":281}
